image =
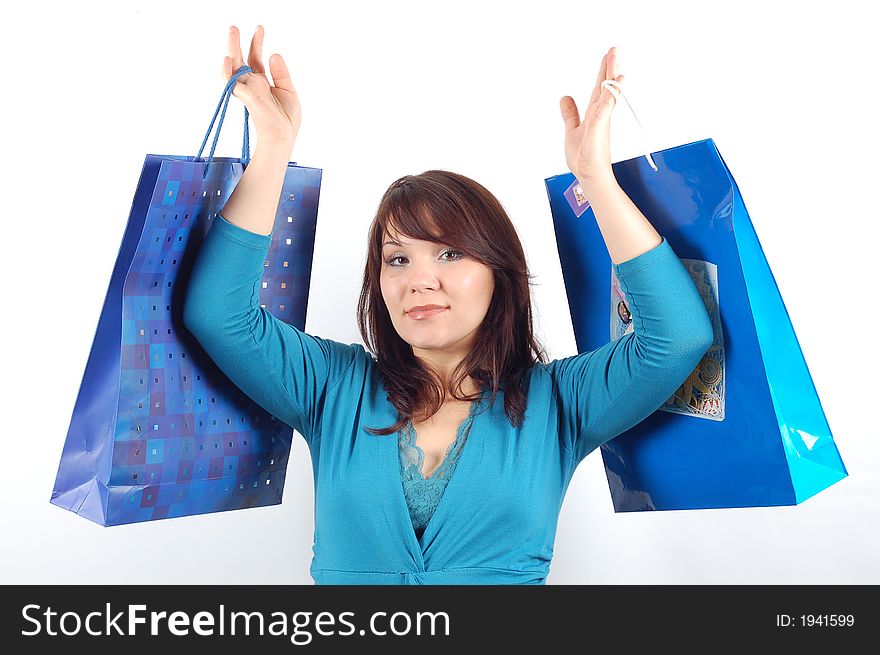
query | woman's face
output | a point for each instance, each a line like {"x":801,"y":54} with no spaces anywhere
{"x":416,"y":273}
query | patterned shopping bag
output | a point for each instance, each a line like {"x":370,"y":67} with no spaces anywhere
{"x":157,"y":429}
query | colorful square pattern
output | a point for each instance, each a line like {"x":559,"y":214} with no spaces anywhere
{"x":158,"y":431}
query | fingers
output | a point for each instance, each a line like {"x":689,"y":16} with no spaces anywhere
{"x":569,"y":110}
{"x":597,"y":88}
{"x":608,"y":100}
{"x":255,"y":56}
{"x":234,"y":49}
{"x":611,"y":73}
{"x":607,"y":71}
{"x":280,"y":74}
{"x":602,"y":101}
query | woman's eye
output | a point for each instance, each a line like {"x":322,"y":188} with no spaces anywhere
{"x":457,"y":254}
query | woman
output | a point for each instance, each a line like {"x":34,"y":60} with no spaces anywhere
{"x":446,"y":458}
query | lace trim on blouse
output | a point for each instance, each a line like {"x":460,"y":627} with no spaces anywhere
{"x":423,"y":494}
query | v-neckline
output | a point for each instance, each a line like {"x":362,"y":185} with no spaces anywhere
{"x":444,"y":462}
{"x":472,"y":414}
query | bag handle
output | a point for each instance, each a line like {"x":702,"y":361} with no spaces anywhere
{"x":609,"y":84}
{"x":224,"y":100}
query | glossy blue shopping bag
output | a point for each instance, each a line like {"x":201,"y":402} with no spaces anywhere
{"x":157,"y":430}
{"x":746,"y":429}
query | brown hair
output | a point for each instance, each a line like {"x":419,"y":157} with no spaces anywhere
{"x":452,"y":209}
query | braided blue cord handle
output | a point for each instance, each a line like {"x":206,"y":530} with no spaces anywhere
{"x":224,"y":100}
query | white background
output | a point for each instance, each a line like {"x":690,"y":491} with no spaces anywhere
{"x":786,"y":90}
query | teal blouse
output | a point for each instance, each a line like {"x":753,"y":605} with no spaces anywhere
{"x":490,"y":515}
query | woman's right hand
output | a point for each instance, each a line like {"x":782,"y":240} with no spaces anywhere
{"x":275,"y":109}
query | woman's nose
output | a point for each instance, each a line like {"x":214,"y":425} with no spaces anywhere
{"x":423,"y":276}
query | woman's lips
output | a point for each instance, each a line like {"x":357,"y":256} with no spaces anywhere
{"x":422,"y":314}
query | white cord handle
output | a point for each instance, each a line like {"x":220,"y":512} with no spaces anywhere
{"x":610,"y":84}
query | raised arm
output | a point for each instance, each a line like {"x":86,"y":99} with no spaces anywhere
{"x":284,"y":370}
{"x":608,"y":390}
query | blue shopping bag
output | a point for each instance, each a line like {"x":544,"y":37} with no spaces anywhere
{"x":157,"y":430}
{"x":746,"y":429}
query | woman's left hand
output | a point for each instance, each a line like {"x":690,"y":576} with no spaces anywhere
{"x":588,"y":143}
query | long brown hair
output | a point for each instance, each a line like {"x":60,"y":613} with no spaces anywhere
{"x":452,"y":209}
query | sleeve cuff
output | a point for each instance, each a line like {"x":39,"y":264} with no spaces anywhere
{"x":240,"y":235}
{"x":656,"y":254}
